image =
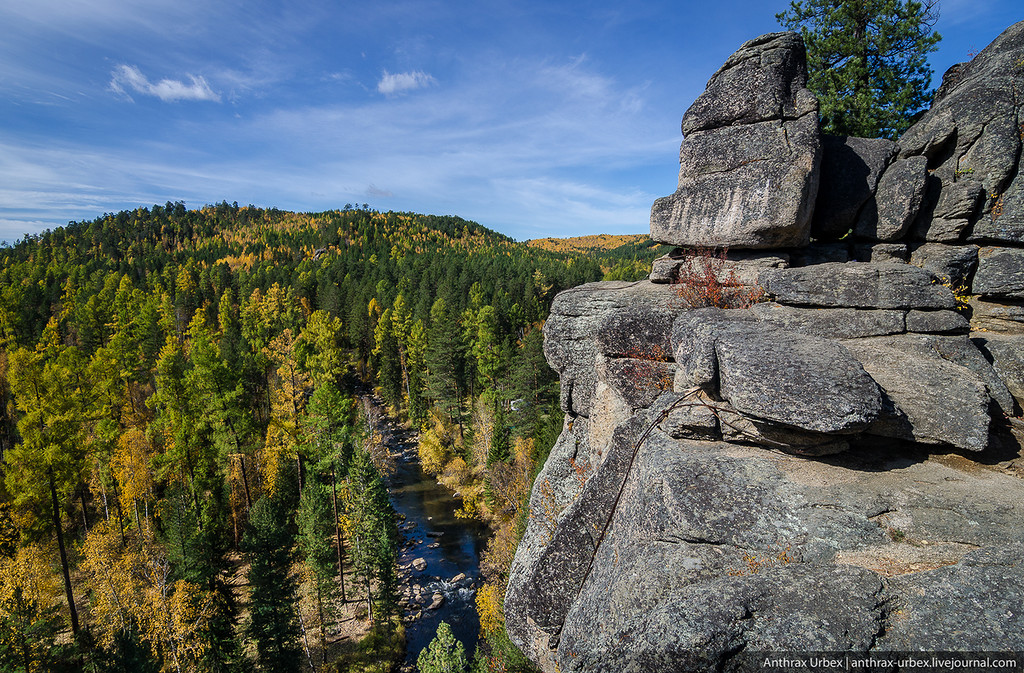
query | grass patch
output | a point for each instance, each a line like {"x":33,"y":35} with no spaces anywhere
{"x":380,"y":651}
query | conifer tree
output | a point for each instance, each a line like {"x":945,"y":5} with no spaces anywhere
{"x":445,"y":654}
{"x":273,"y":622}
{"x":866,"y":61}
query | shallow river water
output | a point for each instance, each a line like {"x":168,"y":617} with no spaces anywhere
{"x":449,"y":546}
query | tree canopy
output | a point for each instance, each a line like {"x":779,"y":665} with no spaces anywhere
{"x":867,"y":61}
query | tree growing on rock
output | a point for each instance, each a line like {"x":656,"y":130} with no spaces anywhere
{"x":866,"y":61}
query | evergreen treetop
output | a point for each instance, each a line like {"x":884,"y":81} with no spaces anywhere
{"x":867,"y":61}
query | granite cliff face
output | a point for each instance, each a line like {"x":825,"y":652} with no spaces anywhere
{"x":809,"y":441}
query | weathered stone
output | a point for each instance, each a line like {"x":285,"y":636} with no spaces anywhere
{"x":952,"y":263}
{"x":636,"y":332}
{"x":544,"y":581}
{"x":1005,"y":224}
{"x":831,"y":323}
{"x":858,"y":285}
{"x":687,"y":416}
{"x":750,"y":158}
{"x":958,"y":415}
{"x":712,"y":546}
{"x":638,"y":381}
{"x":942,"y":230}
{"x":850,"y":169}
{"x":1000,"y":273}
{"x":959,"y":200}
{"x":881,"y":252}
{"x":775,"y":375}
{"x":989,"y":579}
{"x":998,"y":317}
{"x":764,"y":79}
{"x":665,"y":268}
{"x":740,"y":266}
{"x":419,"y":564}
{"x":1006,"y":352}
{"x":743,"y":429}
{"x":570,"y":343}
{"x":764,"y":201}
{"x":973,"y":130}
{"x":896,"y":203}
{"x":937,"y":322}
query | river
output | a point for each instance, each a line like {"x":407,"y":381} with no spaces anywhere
{"x":450,"y":548}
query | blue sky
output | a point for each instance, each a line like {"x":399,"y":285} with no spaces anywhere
{"x":533,"y":118}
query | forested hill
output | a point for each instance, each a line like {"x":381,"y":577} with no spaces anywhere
{"x":334,"y":260}
{"x":182,"y":403}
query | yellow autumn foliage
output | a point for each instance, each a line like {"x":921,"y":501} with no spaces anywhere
{"x":131,"y":589}
{"x":488,"y":606}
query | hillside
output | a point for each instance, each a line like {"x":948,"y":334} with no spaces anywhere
{"x":589,"y":243}
{"x":180,"y":400}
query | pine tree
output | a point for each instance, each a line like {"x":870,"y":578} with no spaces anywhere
{"x":273,"y":622}
{"x":445,"y":654}
{"x":371,"y":529}
{"x":867,"y":61}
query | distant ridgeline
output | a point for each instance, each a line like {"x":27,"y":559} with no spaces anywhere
{"x":335,"y":260}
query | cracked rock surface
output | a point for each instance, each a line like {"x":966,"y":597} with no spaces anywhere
{"x":826,"y":456}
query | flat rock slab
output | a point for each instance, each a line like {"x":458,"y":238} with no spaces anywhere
{"x":857,"y":285}
{"x":778,"y":376}
{"x":831,"y":323}
{"x":934,"y":401}
{"x":1006,"y":352}
{"x":713,"y":546}
{"x":1000,"y":273}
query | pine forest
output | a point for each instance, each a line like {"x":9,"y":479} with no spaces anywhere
{"x":192,"y":476}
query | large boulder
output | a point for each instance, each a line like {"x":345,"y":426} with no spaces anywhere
{"x":782,"y":377}
{"x":859,"y":285}
{"x":972,"y":133}
{"x":750,"y":158}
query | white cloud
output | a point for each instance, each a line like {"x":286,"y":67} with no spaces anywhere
{"x":128,"y":77}
{"x":404,"y":81}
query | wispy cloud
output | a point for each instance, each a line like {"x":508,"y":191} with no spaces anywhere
{"x":127,"y":78}
{"x":391,"y":83}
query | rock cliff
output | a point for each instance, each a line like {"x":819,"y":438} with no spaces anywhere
{"x":804,"y":435}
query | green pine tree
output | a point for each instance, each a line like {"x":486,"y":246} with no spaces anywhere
{"x":445,"y":654}
{"x":866,"y":61}
{"x":273,"y":622}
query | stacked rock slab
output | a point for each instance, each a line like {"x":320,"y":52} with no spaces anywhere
{"x":825,"y":466}
{"x":749,"y":162}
